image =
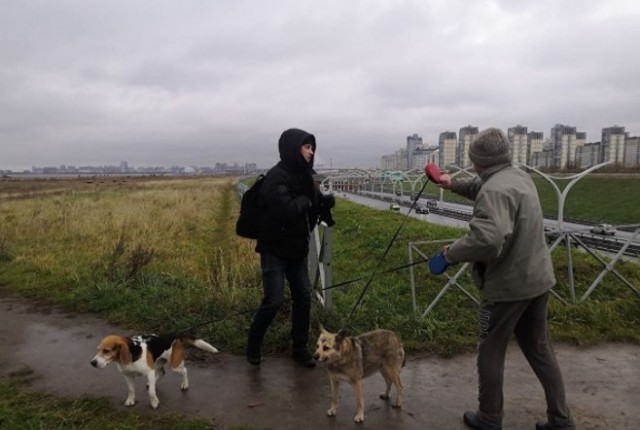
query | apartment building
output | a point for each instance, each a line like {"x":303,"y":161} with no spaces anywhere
{"x":564,"y":141}
{"x":466,"y":135}
{"x":632,"y":151}
{"x":518,"y":143}
{"x":414,"y":141}
{"x":535,"y":143}
{"x":395,"y":161}
{"x":544,"y":158}
{"x":424,"y":155}
{"x":447,"y":144}
{"x":613,"y":140}
{"x":588,"y":155}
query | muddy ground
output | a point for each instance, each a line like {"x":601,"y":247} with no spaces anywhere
{"x":603,"y":383}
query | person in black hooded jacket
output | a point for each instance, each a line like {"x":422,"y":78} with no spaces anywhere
{"x":292,"y":206}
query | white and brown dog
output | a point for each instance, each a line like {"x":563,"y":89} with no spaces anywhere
{"x":146,"y":355}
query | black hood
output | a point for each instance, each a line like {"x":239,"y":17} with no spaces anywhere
{"x":289,"y":146}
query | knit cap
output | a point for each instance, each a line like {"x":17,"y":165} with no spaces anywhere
{"x":490,"y":147}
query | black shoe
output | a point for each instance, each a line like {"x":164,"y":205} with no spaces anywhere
{"x":304,"y":358}
{"x":541,"y":425}
{"x":253,"y":353}
{"x":253,"y":360}
{"x":471,"y":419}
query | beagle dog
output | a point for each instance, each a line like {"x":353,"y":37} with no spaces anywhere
{"x":146,"y":355}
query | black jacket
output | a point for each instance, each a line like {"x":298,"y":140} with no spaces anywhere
{"x":291,"y":201}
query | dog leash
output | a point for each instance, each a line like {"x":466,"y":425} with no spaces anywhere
{"x":386,"y":252}
{"x":338,"y":285}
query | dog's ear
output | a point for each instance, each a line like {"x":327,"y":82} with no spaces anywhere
{"x":124,"y":353}
{"x":322,"y":329}
{"x":341,"y":335}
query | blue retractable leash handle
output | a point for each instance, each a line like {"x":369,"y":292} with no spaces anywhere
{"x":438,"y":264}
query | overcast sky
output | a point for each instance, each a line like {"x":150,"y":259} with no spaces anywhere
{"x":191,"y":82}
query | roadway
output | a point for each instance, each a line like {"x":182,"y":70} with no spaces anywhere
{"x":458,"y":215}
{"x":434,"y":218}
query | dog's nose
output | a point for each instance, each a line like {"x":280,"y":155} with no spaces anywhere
{"x":316,"y":356}
{"x":94,"y":362}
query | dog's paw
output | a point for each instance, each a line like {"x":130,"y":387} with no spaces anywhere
{"x":384,"y":396}
{"x":359,"y":418}
{"x":332,"y":412}
{"x":154,"y":402}
{"x":184,"y":386}
{"x":130,"y":401}
{"x":396,"y":406}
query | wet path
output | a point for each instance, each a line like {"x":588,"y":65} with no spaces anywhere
{"x":603,"y":383}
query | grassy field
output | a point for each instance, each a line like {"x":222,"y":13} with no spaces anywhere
{"x":597,"y":198}
{"x":113,"y":247}
{"x":168,"y":246}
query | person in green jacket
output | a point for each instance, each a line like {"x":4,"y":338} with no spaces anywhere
{"x":513,"y":271}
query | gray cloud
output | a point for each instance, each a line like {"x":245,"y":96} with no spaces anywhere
{"x":195,"y":82}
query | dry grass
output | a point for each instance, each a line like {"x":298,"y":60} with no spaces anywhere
{"x":181,"y":220}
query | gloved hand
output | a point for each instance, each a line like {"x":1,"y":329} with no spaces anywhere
{"x":325,"y":216}
{"x":433,"y":172}
{"x":438,"y":264}
{"x":328,"y":200}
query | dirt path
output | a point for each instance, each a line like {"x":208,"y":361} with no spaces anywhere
{"x":603,"y":383}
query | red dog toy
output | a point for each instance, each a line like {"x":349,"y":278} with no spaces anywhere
{"x":433,"y":172}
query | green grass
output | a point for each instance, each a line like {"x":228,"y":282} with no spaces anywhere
{"x":596,"y":198}
{"x":22,"y":408}
{"x":169,"y":247}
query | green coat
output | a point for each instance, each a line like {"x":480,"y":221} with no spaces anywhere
{"x":506,"y":242}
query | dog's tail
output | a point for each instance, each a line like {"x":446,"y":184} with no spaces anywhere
{"x":201,"y":344}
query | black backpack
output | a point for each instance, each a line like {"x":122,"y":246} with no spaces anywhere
{"x":250,"y":207}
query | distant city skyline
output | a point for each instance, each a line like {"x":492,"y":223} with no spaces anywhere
{"x":537,"y":151}
{"x":124,"y":168}
{"x":565,"y":148}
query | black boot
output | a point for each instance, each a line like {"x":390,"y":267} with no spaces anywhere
{"x":472,"y":420}
{"x":254,"y":346}
{"x":303,"y":357}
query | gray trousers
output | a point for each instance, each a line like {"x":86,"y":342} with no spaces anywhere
{"x":527,"y":320}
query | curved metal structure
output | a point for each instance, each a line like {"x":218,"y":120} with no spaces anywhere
{"x":357,"y":180}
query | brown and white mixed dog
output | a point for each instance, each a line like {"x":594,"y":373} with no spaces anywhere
{"x":146,"y":355}
{"x":354,"y":358}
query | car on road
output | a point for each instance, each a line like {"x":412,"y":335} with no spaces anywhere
{"x":606,"y":229}
{"x":394,"y":207}
{"x":422,"y":209}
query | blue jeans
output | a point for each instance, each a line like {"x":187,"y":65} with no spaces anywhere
{"x":274,"y":272}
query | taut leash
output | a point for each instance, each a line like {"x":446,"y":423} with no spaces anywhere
{"x":386,"y":252}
